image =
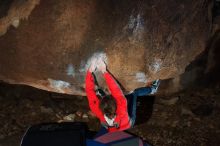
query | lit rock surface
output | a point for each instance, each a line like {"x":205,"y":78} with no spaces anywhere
{"x":50,"y":44}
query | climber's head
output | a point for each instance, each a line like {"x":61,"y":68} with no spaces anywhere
{"x":108,"y":106}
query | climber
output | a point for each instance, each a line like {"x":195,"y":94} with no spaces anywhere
{"x":112,"y":110}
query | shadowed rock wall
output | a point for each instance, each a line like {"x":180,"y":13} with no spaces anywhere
{"x":140,"y":40}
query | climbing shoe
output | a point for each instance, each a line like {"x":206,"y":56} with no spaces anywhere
{"x":154,"y":86}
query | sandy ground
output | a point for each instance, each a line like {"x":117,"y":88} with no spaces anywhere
{"x":187,"y":118}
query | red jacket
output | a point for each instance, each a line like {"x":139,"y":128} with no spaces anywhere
{"x":122,"y":118}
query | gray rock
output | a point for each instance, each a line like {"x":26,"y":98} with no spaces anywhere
{"x":70,"y":117}
{"x":85,"y":116}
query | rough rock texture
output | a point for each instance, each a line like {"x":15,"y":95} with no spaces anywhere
{"x":140,"y":40}
{"x":12,"y":11}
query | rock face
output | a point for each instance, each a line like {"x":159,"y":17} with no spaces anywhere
{"x":51,"y":43}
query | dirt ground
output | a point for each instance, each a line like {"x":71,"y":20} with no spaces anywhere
{"x":187,"y":118}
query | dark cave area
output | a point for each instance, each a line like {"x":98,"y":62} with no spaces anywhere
{"x":186,"y":118}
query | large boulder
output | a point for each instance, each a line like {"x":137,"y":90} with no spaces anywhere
{"x":49,"y":44}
